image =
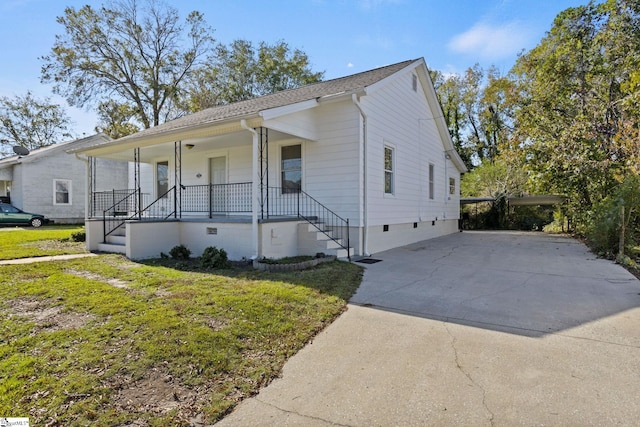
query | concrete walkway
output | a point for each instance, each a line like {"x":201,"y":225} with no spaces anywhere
{"x":482,"y":329}
{"x":44,"y":259}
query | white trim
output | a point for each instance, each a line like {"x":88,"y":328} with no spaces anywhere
{"x":394,"y":171}
{"x":69,"y":191}
{"x":302,"y":162}
{"x":273,"y":113}
{"x":155,"y":177}
{"x":431,"y":181}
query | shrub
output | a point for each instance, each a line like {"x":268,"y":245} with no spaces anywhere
{"x":79,"y":236}
{"x":180,"y":252}
{"x":213,"y":257}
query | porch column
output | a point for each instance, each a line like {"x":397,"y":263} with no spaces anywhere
{"x":255,"y":190}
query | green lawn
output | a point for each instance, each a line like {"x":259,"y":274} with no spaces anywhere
{"x":107,"y":341}
{"x":16,"y":242}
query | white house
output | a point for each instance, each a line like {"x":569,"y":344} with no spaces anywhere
{"x":350,"y":166}
{"x":51,"y":182}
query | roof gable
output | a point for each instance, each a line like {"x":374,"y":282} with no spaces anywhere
{"x":52,"y":149}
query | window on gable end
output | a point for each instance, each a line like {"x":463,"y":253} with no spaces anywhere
{"x":414,"y":82}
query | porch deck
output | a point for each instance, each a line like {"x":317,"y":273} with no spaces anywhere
{"x":121,"y":211}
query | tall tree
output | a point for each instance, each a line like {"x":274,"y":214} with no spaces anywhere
{"x":135,"y":53}
{"x":31,"y":123}
{"x":242,"y":71}
{"x":578,"y":111}
{"x":478,"y":107}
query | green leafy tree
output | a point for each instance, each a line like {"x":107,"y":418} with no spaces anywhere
{"x":243,"y":71}
{"x":136,"y":53}
{"x":478,"y":108}
{"x":578,"y":111}
{"x":31,"y":123}
{"x":116,"y":119}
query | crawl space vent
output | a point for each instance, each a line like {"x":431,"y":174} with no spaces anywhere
{"x":212,"y":230}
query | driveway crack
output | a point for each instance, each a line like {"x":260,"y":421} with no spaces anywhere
{"x":466,"y":374}
{"x":301,"y":415}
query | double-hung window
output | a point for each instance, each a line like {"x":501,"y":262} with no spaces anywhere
{"x":452,"y":186}
{"x":388,"y":170}
{"x":291,"y":168}
{"x":61,"y":192}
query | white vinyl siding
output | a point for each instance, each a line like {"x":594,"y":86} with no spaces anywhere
{"x":396,"y":113}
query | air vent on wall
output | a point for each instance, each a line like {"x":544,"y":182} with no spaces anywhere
{"x":212,"y":230}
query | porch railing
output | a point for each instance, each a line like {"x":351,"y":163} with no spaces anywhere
{"x":164,"y":207}
{"x":216,"y":199}
{"x":125,"y":203}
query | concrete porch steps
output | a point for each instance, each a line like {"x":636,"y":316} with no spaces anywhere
{"x":312,"y":241}
{"x":116,"y":243}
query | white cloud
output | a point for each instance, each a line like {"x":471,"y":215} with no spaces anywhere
{"x":492,"y":41}
{"x":350,"y":65}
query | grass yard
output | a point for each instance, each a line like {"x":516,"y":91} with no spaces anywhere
{"x":16,"y":242}
{"x":106,"y":341}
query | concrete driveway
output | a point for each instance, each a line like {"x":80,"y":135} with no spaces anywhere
{"x":475,"y":328}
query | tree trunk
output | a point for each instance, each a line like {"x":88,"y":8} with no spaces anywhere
{"x":622,"y":230}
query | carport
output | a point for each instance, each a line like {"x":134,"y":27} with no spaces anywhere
{"x":513,"y":201}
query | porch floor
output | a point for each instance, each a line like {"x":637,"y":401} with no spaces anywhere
{"x":229,"y":219}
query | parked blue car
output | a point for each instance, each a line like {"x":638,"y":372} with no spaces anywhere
{"x":10,"y":215}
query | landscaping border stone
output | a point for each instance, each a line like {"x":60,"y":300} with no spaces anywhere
{"x":270,"y":267}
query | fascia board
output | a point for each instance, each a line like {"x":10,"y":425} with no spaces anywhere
{"x":273,"y":113}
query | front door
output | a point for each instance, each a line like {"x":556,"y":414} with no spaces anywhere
{"x":218,"y":180}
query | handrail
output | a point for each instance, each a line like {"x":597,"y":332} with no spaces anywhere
{"x":294,"y":202}
{"x":112,"y":222}
{"x":159,"y":207}
{"x":324,"y":220}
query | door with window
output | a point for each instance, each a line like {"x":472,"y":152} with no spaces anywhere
{"x":218,"y":187}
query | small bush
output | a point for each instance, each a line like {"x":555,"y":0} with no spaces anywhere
{"x":213,"y":257}
{"x":79,"y":236}
{"x":180,"y":252}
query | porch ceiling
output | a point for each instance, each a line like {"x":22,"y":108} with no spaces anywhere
{"x":202,"y":143}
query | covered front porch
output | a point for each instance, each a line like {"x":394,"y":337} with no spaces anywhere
{"x":216,"y":190}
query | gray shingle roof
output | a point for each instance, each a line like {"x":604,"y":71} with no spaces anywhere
{"x":253,"y":106}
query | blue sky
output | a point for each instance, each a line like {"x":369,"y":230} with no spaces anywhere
{"x":341,"y":37}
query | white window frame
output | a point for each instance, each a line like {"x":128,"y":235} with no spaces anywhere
{"x":156,"y":182}
{"x":281,"y":170}
{"x":68,"y":183}
{"x":452,"y":185}
{"x":431,"y":178}
{"x":391,"y":172}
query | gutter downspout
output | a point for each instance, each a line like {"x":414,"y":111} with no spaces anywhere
{"x":365,"y":207}
{"x":254,"y":191}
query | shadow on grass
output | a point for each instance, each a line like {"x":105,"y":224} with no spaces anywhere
{"x":338,"y":278}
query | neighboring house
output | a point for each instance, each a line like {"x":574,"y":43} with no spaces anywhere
{"x":350,"y":166}
{"x":52,"y":182}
